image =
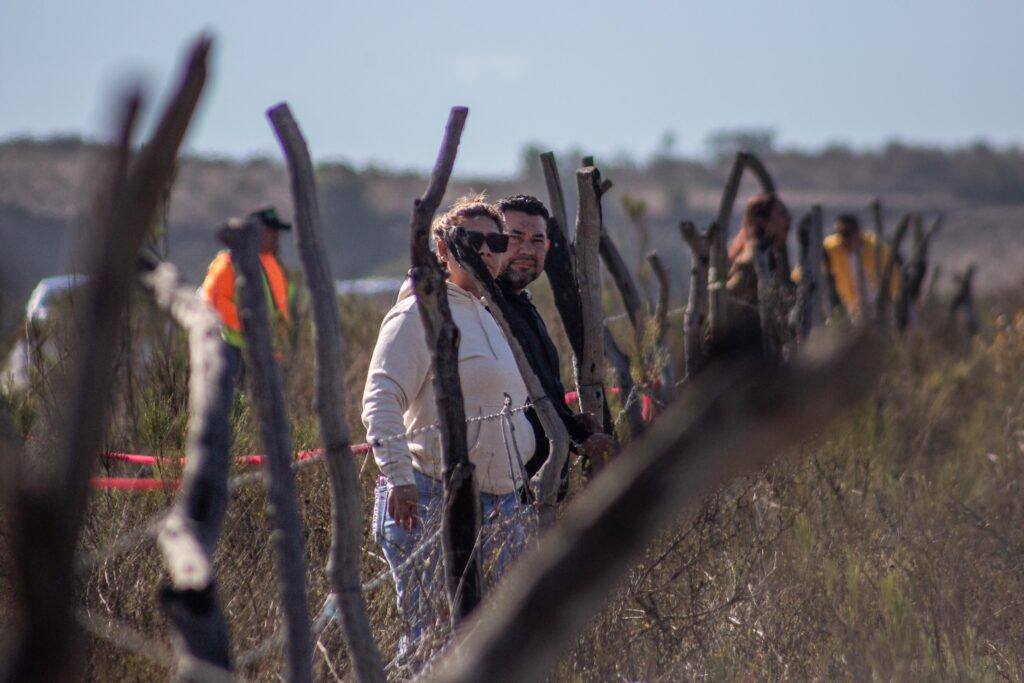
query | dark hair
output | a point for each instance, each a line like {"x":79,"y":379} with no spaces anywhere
{"x":848,"y":220}
{"x":523,"y":203}
{"x":759,"y":210}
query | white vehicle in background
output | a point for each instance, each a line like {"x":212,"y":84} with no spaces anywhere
{"x":39,"y":313}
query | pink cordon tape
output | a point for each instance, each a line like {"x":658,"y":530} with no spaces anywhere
{"x":155,"y":484}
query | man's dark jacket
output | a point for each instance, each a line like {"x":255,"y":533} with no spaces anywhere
{"x":532,"y":334}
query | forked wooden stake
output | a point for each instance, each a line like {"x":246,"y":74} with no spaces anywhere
{"x":343,"y":564}
{"x":461,"y":515}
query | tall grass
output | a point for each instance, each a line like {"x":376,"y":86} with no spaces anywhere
{"x":889,"y":548}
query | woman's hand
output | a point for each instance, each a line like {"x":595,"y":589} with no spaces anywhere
{"x":403,"y":505}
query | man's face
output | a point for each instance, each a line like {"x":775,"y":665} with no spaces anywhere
{"x":269,"y":240}
{"x":527,"y":246}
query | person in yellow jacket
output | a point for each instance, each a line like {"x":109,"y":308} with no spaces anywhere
{"x":218,"y":289}
{"x":842,"y":249}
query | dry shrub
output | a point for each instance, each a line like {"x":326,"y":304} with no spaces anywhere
{"x":889,"y":548}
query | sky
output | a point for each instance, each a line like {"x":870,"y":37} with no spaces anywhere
{"x":372,"y":82}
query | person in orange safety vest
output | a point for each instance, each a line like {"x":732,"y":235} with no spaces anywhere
{"x":219,"y":286}
{"x":219,"y":291}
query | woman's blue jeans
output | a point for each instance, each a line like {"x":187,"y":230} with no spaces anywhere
{"x":420,"y":582}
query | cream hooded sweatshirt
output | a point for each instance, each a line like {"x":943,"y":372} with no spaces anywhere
{"x":399,"y":396}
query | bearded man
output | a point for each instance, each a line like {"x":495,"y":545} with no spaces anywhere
{"x":526,"y":220}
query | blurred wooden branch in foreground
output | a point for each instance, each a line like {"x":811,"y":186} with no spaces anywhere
{"x":343,"y":564}
{"x":189,"y":535}
{"x":736,"y":417}
{"x":48,"y":506}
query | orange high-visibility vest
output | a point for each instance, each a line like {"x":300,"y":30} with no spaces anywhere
{"x":219,"y":290}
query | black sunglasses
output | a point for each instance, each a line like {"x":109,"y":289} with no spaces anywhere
{"x":497,"y":242}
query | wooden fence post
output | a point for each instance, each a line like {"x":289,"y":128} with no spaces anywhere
{"x":914,"y":271}
{"x":242,"y":238}
{"x":560,"y":264}
{"x":735,"y":417}
{"x":588,"y":275}
{"x":461,"y":516}
{"x":667,"y":393}
{"x":807,"y":311}
{"x":631,"y":404}
{"x":47,"y":511}
{"x":695,"y":320}
{"x":560,"y":267}
{"x":964,"y":300}
{"x":188,"y":537}
{"x":344,"y":561}
{"x":884,"y":300}
{"x":718,"y":310}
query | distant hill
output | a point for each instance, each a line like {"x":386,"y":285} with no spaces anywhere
{"x":47,"y":189}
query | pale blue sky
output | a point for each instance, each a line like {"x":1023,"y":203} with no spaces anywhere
{"x":374,"y":81}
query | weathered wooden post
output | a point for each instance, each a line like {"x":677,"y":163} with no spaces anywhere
{"x":621,"y":370}
{"x":343,"y":563}
{"x":49,"y":505}
{"x":560,"y":267}
{"x":964,"y":300}
{"x":242,"y":238}
{"x":461,"y":515}
{"x":695,"y":319}
{"x":719,"y":267}
{"x":885,"y":295}
{"x":560,"y":264}
{"x":588,"y":276}
{"x":807,"y":311}
{"x":188,"y":538}
{"x":667,"y":392}
{"x":914,"y":271}
{"x":833,"y":304}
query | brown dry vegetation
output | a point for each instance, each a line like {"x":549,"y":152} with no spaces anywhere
{"x":47,"y":188}
{"x":889,"y":548}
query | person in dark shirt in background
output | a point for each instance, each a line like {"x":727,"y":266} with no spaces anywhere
{"x":526,"y":219}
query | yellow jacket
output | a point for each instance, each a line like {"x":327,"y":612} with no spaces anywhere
{"x":845,"y":275}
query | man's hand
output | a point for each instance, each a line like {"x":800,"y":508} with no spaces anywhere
{"x":403,"y":505}
{"x":599,"y":449}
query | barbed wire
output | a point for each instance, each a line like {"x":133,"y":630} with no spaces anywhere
{"x":152,"y":527}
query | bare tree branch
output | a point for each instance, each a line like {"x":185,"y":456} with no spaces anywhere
{"x":461,"y":517}
{"x":695,"y":320}
{"x":343,"y":564}
{"x":242,"y":238}
{"x":188,"y":537}
{"x":718,"y":310}
{"x":884,"y":290}
{"x":667,"y":391}
{"x":48,"y":512}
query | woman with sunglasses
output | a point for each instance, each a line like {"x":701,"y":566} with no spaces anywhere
{"x":399,"y":398}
